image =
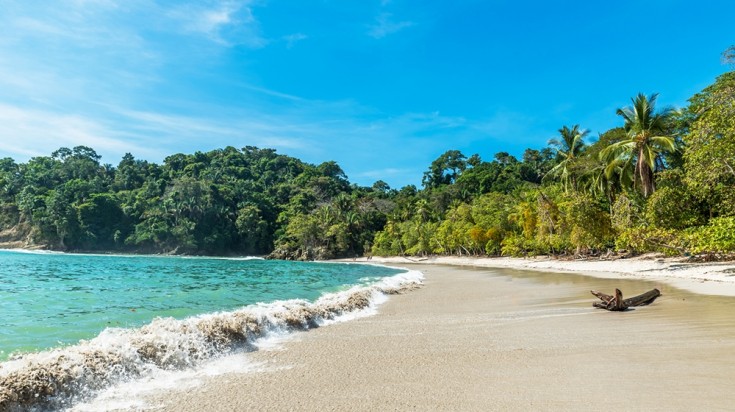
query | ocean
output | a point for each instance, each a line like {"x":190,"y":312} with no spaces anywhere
{"x":74,"y":325}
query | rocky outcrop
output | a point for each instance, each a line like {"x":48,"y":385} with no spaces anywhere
{"x":18,"y":237}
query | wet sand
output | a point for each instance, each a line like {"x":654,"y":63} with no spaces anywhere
{"x":496,"y":339}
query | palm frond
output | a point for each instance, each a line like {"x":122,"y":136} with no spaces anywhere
{"x":664,"y":142}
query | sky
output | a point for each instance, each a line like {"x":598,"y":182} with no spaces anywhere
{"x":383,"y":87}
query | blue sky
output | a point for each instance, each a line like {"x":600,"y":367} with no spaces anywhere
{"x":383,"y":87}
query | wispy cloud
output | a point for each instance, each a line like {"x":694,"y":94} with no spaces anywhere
{"x":227,"y":22}
{"x":26,"y":133}
{"x":385,"y":173}
{"x":210,"y":132}
{"x":385,"y":25}
{"x":292,"y":39}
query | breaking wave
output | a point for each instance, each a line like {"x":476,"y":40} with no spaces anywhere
{"x":61,"y":377}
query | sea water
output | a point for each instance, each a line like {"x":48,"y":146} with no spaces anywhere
{"x":93,"y":320}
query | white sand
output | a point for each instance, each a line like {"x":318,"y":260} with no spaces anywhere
{"x":495,"y":339}
{"x":716,"y":278}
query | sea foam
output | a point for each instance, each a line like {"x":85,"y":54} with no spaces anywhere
{"x":62,"y":377}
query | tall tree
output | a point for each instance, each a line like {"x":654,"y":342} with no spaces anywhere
{"x":645,"y":141}
{"x":445,"y":169}
{"x":569,"y":150}
{"x":710,"y":156}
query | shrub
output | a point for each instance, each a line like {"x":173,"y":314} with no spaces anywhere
{"x":589,"y":222}
{"x":718,"y":236}
{"x":626,"y":213}
{"x":646,"y":239}
{"x":673,"y":207}
{"x":514,"y":245}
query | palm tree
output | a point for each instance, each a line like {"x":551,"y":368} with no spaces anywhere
{"x":422,"y":210}
{"x":569,"y":149}
{"x":645,"y":142}
{"x":601,"y":179}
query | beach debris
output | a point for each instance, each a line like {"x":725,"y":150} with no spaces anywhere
{"x":617,"y":303}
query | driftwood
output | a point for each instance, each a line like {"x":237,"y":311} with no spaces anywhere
{"x":617,"y":303}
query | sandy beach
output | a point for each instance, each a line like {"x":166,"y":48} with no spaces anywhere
{"x":479,"y":339}
{"x":710,"y":278}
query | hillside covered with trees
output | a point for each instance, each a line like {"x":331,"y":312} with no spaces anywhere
{"x":662,"y":181}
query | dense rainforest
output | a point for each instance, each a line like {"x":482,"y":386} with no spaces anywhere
{"x":663,"y":181}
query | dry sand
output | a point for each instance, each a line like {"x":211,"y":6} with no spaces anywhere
{"x":711,"y":278}
{"x":496,"y":339}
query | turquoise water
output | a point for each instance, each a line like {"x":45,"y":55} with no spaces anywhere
{"x":51,"y":300}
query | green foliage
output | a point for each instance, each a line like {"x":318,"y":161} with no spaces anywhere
{"x":626,"y":212}
{"x":644,"y":145}
{"x":589,"y":223}
{"x":644,"y":239}
{"x":569,"y":150}
{"x":504,"y":174}
{"x":515,"y":245}
{"x":254,"y":231}
{"x":710,"y":141}
{"x":219,"y":202}
{"x":718,"y":236}
{"x":445,"y":169}
{"x":673,"y":207}
{"x":388,"y":241}
{"x":102,"y":222}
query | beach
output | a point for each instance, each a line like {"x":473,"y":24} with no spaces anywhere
{"x":494,"y":339}
{"x":709,"y":278}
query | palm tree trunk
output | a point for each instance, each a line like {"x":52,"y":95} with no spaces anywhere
{"x":646,"y":175}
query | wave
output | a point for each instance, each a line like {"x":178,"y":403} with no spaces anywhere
{"x":32,"y":251}
{"x":62,"y":377}
{"x":243,"y":258}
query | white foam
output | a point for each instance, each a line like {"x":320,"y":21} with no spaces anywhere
{"x":128,"y":255}
{"x":166,"y":352}
{"x":131,"y":395}
{"x":33,"y":251}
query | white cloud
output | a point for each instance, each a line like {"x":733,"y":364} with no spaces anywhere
{"x":25,"y":133}
{"x":270,"y":92}
{"x":81,"y":54}
{"x":384,"y":173}
{"x":227,"y":22}
{"x":239,"y":130}
{"x":28,"y":132}
{"x":418,"y":124}
{"x":292,"y":39}
{"x":384,"y":26}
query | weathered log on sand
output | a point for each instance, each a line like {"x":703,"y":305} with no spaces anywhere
{"x":617,"y":303}
{"x":610,"y":302}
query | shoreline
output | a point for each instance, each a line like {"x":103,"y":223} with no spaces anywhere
{"x":492,"y":339}
{"x":708,"y":278}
